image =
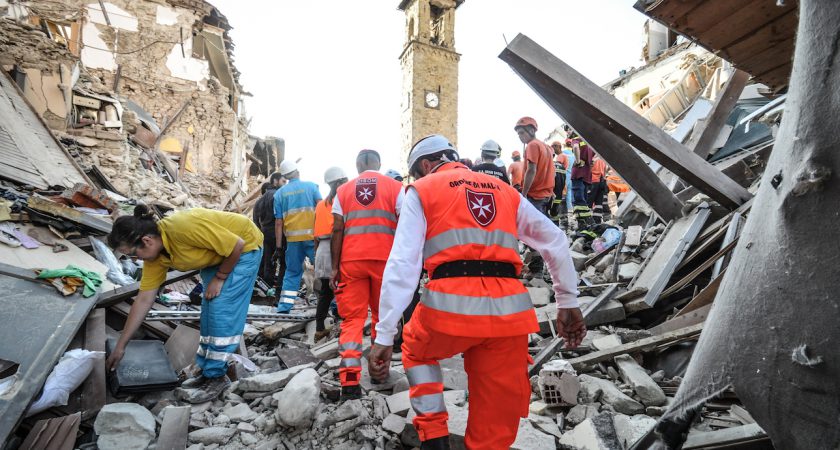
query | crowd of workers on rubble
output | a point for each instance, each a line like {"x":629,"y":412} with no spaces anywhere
{"x":374,"y":241}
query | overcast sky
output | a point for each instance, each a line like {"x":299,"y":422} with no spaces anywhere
{"x":325,"y":75}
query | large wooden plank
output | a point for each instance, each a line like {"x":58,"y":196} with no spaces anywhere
{"x":42,"y":204}
{"x":667,"y":254}
{"x":618,"y":154}
{"x":704,"y":137}
{"x":704,"y":297}
{"x":642,"y":345}
{"x":533,"y":62}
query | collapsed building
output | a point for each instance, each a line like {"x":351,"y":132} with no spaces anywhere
{"x":695,"y":141}
{"x":130,"y":86}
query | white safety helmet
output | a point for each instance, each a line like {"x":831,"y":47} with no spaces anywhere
{"x":490,"y":147}
{"x":334,"y":174}
{"x":429,"y":145}
{"x":287,"y":166}
{"x":391,"y":173}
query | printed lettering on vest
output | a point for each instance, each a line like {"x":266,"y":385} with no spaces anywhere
{"x":365,"y":191}
{"x":482,"y":206}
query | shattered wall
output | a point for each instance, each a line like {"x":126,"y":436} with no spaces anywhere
{"x":172,"y":59}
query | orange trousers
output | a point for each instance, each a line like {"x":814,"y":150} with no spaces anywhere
{"x":357,"y":291}
{"x":497,"y":371}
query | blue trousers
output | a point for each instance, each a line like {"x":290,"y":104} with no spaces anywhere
{"x":579,"y":188}
{"x":295,"y":254}
{"x":223,"y":318}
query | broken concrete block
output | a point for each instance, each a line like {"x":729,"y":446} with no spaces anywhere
{"x":633,"y":374}
{"x":529,"y":438}
{"x":245,"y":427}
{"x":633,"y":236}
{"x":271,"y":381}
{"x":124,"y":426}
{"x":540,"y":296}
{"x":558,"y":384}
{"x":298,"y":402}
{"x":630,"y":429}
{"x":597,"y":433}
{"x":608,"y":341}
{"x":240,"y":413}
{"x":604,"y":263}
{"x":539,"y":408}
{"x":628,"y":270}
{"x":611,"y":395}
{"x":546,"y":425}
{"x":609,"y":312}
{"x":578,"y":259}
{"x":212,"y":435}
{"x":580,"y":413}
{"x":394,"y":424}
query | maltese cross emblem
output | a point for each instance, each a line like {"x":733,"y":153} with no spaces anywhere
{"x":365,"y":192}
{"x":482,"y":206}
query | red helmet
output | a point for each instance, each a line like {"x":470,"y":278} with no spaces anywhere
{"x":525,"y":121}
{"x":515,"y":154}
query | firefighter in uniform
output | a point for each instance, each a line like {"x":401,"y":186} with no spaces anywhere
{"x":365,"y":210}
{"x":558,"y":211}
{"x":463,"y":227}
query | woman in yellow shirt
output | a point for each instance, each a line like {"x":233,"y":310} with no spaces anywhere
{"x":226,"y":247}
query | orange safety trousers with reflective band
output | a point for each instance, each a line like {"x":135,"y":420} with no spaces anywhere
{"x":323,"y":220}
{"x":370,"y":218}
{"x":497,"y":371}
{"x":472,"y":216}
{"x":357,"y":291}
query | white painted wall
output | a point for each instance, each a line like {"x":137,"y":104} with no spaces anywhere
{"x":166,"y":16}
{"x":188,"y":68}
{"x":119,"y":17}
{"x":659,"y":78}
{"x":95,"y":53}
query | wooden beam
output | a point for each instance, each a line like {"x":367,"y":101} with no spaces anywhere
{"x":699,"y":269}
{"x":675,"y":323}
{"x":44,"y":205}
{"x":706,"y":134}
{"x":531,"y":61}
{"x":642,"y":345}
{"x":705,"y":297}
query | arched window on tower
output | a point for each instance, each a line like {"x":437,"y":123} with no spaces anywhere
{"x":438,"y":26}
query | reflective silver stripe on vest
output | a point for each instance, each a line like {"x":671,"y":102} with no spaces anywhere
{"x":299,"y":232}
{"x":351,"y":362}
{"x":428,"y":373}
{"x":350,"y":346}
{"x":464,"y":236}
{"x":477,"y":306}
{"x":219,"y":341}
{"x":365,"y":229}
{"x":298,"y":210}
{"x":428,"y":404}
{"x":368,"y":213}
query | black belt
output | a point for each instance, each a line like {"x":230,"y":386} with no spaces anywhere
{"x":474,"y":268}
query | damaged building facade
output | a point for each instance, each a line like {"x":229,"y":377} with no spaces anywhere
{"x":130,"y":85}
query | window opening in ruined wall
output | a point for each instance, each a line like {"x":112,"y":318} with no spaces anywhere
{"x":438,"y":26}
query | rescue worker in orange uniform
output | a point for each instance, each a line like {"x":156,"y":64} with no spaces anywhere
{"x":516,"y":171}
{"x":463,"y":227}
{"x":365,"y":210}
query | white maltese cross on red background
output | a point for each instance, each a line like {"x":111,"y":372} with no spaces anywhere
{"x":482,"y":206}
{"x":365,"y":192}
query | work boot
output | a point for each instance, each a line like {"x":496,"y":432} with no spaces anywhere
{"x":284,"y":308}
{"x":211,"y":390}
{"x":441,"y":443}
{"x":322,"y":334}
{"x":351,"y":392}
{"x":194,"y":382}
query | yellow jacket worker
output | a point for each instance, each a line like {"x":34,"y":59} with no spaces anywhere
{"x":226,"y":247}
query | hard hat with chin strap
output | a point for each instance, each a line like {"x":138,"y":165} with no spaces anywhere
{"x":526,"y":121}
{"x":429,"y":145}
{"x":287,"y":166}
{"x":334,"y":174}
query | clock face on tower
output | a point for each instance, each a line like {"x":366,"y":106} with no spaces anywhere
{"x":432,"y":99}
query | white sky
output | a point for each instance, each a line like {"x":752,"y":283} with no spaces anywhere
{"x":325,"y":75}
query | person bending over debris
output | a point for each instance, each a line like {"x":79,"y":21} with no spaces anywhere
{"x":365,"y":211}
{"x":334,"y":177}
{"x":226,"y":247}
{"x":463,"y":227}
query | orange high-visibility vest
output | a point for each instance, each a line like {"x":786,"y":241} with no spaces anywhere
{"x":323,"y":220}
{"x":370,"y":218}
{"x":472,"y":216}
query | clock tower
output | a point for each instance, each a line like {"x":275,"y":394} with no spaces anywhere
{"x":430,"y":72}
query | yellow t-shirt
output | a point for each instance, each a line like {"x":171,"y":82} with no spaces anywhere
{"x":198,"y":238}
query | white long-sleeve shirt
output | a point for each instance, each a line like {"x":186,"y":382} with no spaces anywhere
{"x":402,"y":272}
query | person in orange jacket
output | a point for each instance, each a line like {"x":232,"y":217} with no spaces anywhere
{"x":463,"y":227}
{"x":365,"y":210}
{"x":516,"y":171}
